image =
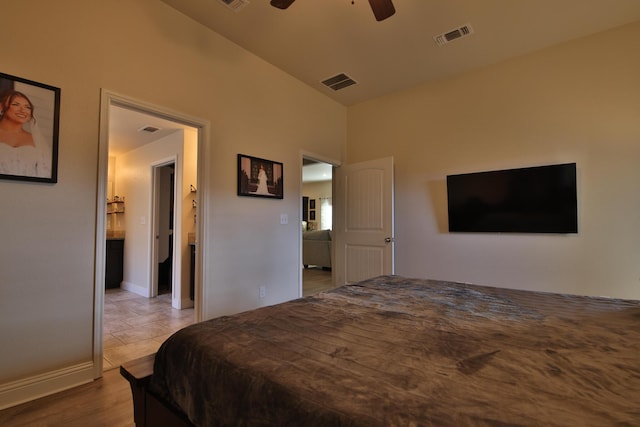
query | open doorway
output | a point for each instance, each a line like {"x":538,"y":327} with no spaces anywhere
{"x":163,"y":218}
{"x":317,"y":226}
{"x":143,"y":147}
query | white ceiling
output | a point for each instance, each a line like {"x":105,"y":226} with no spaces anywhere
{"x":317,"y":172}
{"x":316,"y":39}
{"x":125,"y":129}
{"x":126,"y":134}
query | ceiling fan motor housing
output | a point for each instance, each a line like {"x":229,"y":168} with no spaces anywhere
{"x":382,"y":9}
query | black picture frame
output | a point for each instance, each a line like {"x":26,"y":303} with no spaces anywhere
{"x":312,"y":204}
{"x":312,"y":215}
{"x":35,"y":160}
{"x":305,"y":208}
{"x":251,"y":183}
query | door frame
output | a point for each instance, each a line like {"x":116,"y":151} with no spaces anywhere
{"x":107,"y":99}
{"x":335,"y":163}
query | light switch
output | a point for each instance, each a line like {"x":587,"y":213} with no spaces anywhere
{"x":284,"y":219}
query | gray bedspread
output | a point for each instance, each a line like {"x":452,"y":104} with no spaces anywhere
{"x":404,"y":352}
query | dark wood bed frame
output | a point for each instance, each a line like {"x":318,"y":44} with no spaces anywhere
{"x":148,"y":409}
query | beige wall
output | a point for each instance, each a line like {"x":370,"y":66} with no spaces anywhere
{"x":578,"y":102}
{"x":147,"y":51}
{"x":134,"y":179}
{"x":134,"y":176}
{"x":189,"y":177}
{"x":318,"y":191}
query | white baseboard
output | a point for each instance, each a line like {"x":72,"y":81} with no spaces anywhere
{"x":27,"y":389}
{"x":136,"y":289}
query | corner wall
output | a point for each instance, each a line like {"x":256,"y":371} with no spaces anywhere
{"x":145,"y":50}
{"x":134,"y":176}
{"x":577,"y":102}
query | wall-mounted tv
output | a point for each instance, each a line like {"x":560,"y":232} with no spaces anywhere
{"x":540,"y":199}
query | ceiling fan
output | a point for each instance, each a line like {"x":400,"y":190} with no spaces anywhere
{"x":382,"y":9}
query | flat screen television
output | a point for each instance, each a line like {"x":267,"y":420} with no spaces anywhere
{"x":540,"y":199}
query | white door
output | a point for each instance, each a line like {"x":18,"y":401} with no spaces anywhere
{"x":364,"y":238}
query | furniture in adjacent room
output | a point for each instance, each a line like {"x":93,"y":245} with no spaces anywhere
{"x":114,"y":257}
{"x":115,"y":213}
{"x":305,"y":208}
{"x":316,"y":248}
{"x":114,"y":268}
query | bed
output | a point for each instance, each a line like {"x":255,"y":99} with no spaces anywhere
{"x":395,"y":351}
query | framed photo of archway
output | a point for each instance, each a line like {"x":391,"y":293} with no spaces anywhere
{"x":29,"y":125}
{"x":259,"y":177}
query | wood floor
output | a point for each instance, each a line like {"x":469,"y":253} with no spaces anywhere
{"x":314,"y":280}
{"x":133,"y":327}
{"x":105,"y":402}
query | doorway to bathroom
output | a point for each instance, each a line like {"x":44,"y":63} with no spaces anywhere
{"x":163,"y":217}
{"x":148,"y":156}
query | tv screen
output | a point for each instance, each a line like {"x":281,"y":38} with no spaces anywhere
{"x":541,"y":199}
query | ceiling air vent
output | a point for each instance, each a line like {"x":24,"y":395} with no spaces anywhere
{"x":449,"y":36}
{"x":235,"y":5}
{"x":149,"y":129}
{"x":339,"y":81}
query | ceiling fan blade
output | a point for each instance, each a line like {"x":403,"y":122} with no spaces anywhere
{"x":281,"y":4}
{"x":382,"y":9}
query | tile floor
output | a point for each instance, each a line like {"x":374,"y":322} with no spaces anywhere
{"x":135,"y":326}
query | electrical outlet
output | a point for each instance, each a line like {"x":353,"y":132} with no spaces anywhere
{"x":284,"y":219}
{"x":262,"y":291}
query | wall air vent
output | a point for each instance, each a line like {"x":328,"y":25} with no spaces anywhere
{"x":339,"y":81}
{"x":235,"y":5}
{"x":455,"y":34}
{"x":149,"y":129}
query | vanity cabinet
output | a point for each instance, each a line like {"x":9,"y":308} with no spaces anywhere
{"x":114,"y":271}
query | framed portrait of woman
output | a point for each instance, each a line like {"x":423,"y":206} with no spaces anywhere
{"x":259,"y":177}
{"x":29,"y":124}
